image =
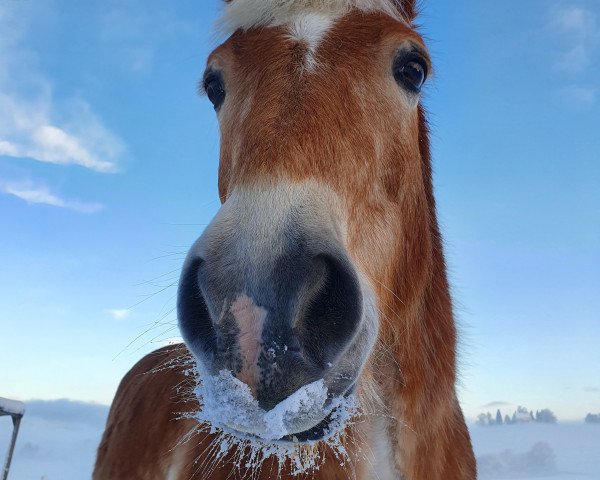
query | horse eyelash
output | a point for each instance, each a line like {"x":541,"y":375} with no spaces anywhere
{"x":200,"y":89}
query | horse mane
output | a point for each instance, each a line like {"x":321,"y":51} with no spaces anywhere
{"x":246,"y":14}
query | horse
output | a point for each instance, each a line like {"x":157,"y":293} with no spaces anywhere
{"x":320,"y":284}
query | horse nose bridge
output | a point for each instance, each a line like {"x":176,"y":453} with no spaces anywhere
{"x":250,"y":226}
{"x":260,"y":223}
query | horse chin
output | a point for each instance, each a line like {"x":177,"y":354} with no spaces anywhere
{"x":307,"y":416}
{"x":327,"y":428}
{"x":323,"y":430}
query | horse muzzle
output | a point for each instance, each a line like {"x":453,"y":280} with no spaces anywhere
{"x":269,"y":294}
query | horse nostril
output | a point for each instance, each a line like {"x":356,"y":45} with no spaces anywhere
{"x":331,"y":309}
{"x":193,"y":316}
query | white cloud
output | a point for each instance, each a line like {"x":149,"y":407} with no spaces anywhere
{"x":40,"y":194}
{"x":577,"y":30}
{"x":119,"y":314}
{"x":24,"y":135}
{"x":577,"y":96}
{"x":33,"y":124}
{"x":497,"y":403}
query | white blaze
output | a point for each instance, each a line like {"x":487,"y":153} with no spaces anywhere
{"x":310,"y":29}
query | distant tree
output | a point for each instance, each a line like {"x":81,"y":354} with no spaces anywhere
{"x":507,"y":420}
{"x":546,"y":416}
{"x":485,"y":419}
{"x":481,"y":420}
{"x":531,"y":415}
{"x":592,"y":418}
{"x":498,"y":417}
{"x":522,"y":415}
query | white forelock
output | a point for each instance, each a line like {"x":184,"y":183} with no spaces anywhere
{"x":246,"y":14}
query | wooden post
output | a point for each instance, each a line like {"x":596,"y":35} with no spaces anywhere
{"x":16,"y":423}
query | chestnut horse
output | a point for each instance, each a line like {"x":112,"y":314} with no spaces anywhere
{"x":322,"y":270}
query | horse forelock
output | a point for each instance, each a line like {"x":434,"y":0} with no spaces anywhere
{"x":246,"y":14}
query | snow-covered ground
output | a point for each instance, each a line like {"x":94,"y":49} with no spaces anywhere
{"x":58,"y":442}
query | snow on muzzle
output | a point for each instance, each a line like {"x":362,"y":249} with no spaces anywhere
{"x":274,"y":312}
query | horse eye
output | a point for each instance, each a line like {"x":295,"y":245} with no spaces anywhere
{"x":411,"y":71}
{"x":214,"y":88}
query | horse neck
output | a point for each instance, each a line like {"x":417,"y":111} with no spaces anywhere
{"x":416,"y":354}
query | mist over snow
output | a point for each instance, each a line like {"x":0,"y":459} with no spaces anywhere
{"x":563,"y":451}
{"x":58,"y":441}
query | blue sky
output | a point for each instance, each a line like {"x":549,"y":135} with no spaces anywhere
{"x":108,"y":167}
